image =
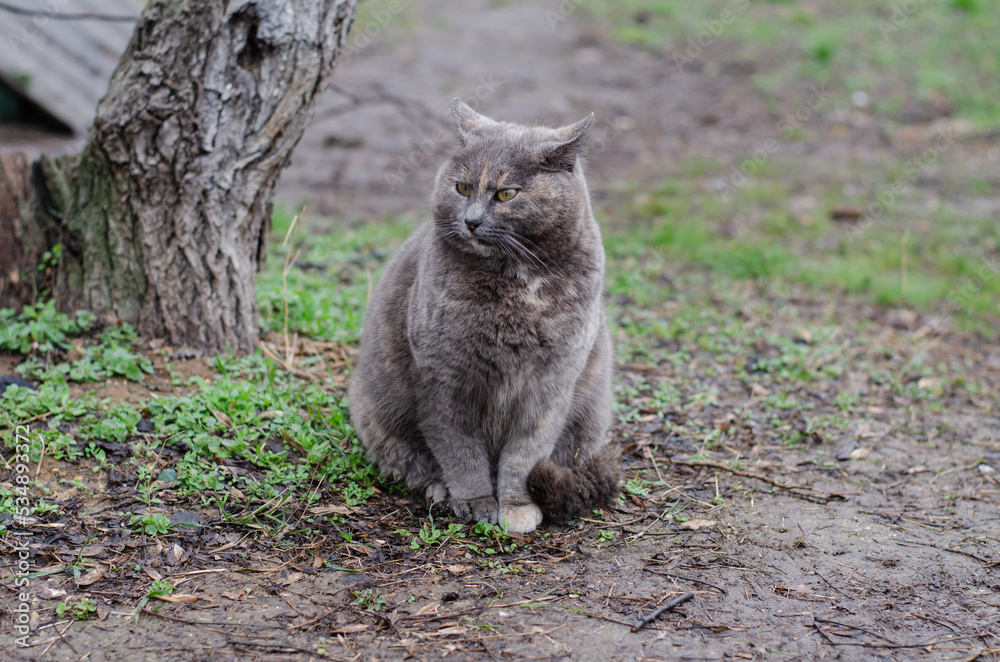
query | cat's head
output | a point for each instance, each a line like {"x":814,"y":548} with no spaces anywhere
{"x":510,"y":190}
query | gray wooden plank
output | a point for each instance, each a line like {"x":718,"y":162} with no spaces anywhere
{"x":69,"y":62}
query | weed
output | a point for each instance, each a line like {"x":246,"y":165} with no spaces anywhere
{"x":79,"y":610}
{"x":11,"y":504}
{"x":40,"y":329}
{"x":492,"y":538}
{"x":158,"y":588}
{"x":503,"y":568}
{"x":371,"y":599}
{"x":150,"y":523}
{"x":430,"y":535}
{"x":50,"y":400}
{"x":636,"y":487}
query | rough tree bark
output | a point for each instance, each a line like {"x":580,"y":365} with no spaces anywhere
{"x":164,"y":214}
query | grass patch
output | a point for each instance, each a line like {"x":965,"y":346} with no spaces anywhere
{"x":914,"y":60}
{"x":328,"y":289}
{"x":253,"y":440}
{"x":944,"y":259}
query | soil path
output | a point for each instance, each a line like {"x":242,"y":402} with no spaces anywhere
{"x":378,"y":137}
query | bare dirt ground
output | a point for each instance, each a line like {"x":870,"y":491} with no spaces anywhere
{"x":877,"y":543}
{"x":880,"y":542}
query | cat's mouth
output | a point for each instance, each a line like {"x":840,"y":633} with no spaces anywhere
{"x":511,"y":246}
{"x":485,"y":245}
{"x":492,"y":243}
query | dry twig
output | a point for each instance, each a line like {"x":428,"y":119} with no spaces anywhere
{"x":646,"y":620}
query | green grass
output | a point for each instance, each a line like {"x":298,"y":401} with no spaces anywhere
{"x":80,"y":609}
{"x":943,"y":259}
{"x":930,"y":250}
{"x":40,"y":328}
{"x":939,"y":59}
{"x":254,"y":429}
{"x":327,"y":292}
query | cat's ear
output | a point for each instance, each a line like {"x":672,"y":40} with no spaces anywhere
{"x":466,"y":119}
{"x":569,"y":144}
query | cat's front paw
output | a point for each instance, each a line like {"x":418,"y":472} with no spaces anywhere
{"x":521,"y":519}
{"x":437,"y":492}
{"x":480,"y":509}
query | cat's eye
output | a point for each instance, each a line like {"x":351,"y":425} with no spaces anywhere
{"x":505,"y":194}
{"x":464,"y":189}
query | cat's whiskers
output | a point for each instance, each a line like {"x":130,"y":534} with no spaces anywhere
{"x":515,"y":249}
{"x":523,"y":250}
{"x":506,"y":249}
{"x":515,"y":241}
{"x":524,"y":240}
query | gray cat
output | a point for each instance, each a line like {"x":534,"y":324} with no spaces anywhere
{"x":485,"y":369}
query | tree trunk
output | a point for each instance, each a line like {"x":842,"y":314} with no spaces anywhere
{"x":164,"y":215}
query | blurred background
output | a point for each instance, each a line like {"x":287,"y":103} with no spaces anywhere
{"x":848,"y":147}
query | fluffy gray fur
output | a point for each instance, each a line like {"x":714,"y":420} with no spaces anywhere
{"x":485,"y":355}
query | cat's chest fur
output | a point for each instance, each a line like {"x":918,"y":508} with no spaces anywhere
{"x":509,"y":322}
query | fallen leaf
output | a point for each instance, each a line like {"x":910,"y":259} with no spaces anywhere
{"x":291,"y":579}
{"x":332,"y":510}
{"x":222,"y":418}
{"x":446,"y":632}
{"x":179,"y":598}
{"x":90,"y":578}
{"x":432,"y":608}
{"x":65,"y":495}
{"x":695,"y":523}
{"x":354,"y":628}
{"x":153,"y":573}
{"x":459,"y":569}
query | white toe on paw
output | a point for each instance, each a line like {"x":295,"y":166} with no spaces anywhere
{"x":521,"y":519}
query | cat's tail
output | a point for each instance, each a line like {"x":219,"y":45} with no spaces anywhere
{"x":563,"y":493}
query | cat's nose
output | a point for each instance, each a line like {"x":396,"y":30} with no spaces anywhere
{"x":472,"y":224}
